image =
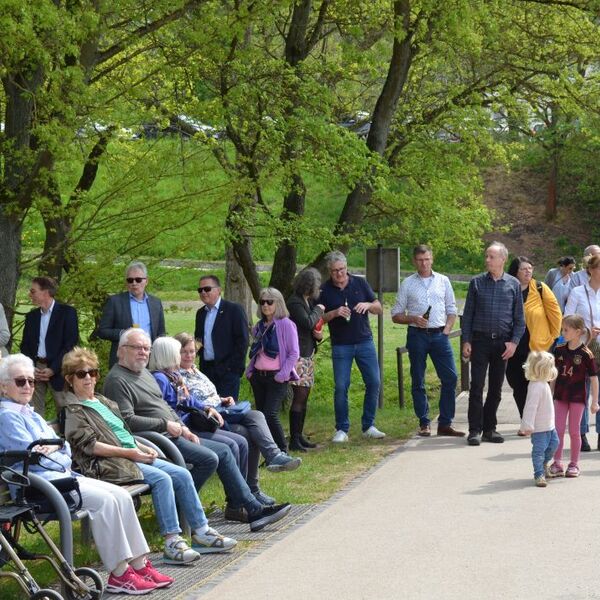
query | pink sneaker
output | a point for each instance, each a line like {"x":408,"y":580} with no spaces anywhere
{"x":555,"y":470}
{"x":572,"y":471}
{"x":129,"y":583}
{"x":149,"y":573}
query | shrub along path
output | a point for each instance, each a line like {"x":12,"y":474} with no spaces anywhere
{"x":437,"y":519}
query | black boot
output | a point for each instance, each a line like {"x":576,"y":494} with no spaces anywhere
{"x":296,"y":431}
{"x":303,"y":440}
{"x":585,"y":446}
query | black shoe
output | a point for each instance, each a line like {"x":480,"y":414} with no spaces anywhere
{"x":306,"y":443}
{"x":236,"y":514}
{"x":585,"y":445}
{"x":296,"y":444}
{"x":599,"y":441}
{"x":492,"y":436}
{"x":268,"y":515}
{"x":474,"y":438}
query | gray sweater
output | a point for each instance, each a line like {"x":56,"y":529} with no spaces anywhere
{"x":139,"y":398}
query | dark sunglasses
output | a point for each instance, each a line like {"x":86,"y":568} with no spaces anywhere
{"x":136,"y":279}
{"x":83,"y":372}
{"x":264,"y":301}
{"x":21,"y":381}
{"x":207,"y":288}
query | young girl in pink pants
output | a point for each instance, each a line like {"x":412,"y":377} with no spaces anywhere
{"x":575,"y":363}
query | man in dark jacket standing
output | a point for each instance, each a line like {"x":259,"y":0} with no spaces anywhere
{"x":50,"y":331}
{"x":133,"y":308}
{"x":222,"y":333}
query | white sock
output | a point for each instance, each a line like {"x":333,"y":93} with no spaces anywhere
{"x":138,"y":563}
{"x":120,"y":568}
{"x":201,"y":530}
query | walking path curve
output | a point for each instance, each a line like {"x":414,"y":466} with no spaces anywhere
{"x":438,"y":519}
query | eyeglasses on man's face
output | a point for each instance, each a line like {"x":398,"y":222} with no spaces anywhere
{"x":131,"y":280}
{"x":207,"y":288}
{"x":138,"y":347}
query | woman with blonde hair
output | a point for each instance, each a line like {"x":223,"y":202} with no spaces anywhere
{"x":273,"y":356}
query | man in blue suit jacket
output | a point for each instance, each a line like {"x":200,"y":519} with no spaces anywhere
{"x":50,"y":332}
{"x":133,"y":308}
{"x":222,"y":332}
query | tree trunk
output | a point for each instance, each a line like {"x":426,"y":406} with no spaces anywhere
{"x":10,"y":261}
{"x":284,"y":264}
{"x":403,"y":53}
{"x":552,"y":197}
{"x":236,"y":288}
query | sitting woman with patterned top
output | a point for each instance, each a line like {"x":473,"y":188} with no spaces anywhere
{"x":105,"y":448}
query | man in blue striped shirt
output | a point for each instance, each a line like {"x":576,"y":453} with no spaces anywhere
{"x":493,"y":323}
{"x":426,"y":303}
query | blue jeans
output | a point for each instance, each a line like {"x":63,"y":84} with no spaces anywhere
{"x":236,"y":442}
{"x":437,"y":345}
{"x":543,"y":447}
{"x":201,"y":457}
{"x":169,"y":482}
{"x":365,"y":356}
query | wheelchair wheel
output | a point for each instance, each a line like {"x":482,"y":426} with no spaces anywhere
{"x":92,"y":580}
{"x":46,"y":595}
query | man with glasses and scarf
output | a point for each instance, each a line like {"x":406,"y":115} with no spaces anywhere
{"x":133,"y":308}
{"x":222,"y":334}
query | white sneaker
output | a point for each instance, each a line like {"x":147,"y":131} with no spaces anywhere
{"x":373,"y":433}
{"x":340,"y":437}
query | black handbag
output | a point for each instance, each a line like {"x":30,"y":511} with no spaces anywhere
{"x":67,"y":486}
{"x":198,"y":420}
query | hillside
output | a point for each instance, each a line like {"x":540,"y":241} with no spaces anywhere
{"x":517,"y":201}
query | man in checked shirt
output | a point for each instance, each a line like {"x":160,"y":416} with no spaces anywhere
{"x":426,"y":303}
{"x":493,"y":323}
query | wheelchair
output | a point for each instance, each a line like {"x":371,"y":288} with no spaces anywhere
{"x":80,"y":583}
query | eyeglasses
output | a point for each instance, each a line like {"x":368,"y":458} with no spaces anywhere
{"x":135,"y":279}
{"x":138,"y":348}
{"x":340,"y":270}
{"x":83,"y":372}
{"x":21,"y":381}
{"x":264,"y":301}
{"x":207,"y":288}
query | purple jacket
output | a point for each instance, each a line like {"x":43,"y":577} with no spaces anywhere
{"x":287,"y":338}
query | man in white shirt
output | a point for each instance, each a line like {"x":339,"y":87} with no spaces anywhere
{"x":426,"y":303}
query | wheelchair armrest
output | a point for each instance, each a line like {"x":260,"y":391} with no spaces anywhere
{"x":60,"y":509}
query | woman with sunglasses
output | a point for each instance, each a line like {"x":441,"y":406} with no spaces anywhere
{"x":115,"y":527}
{"x":273,"y":356}
{"x":105,"y":448}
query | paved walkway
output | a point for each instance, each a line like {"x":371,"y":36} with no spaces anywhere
{"x":438,"y":519}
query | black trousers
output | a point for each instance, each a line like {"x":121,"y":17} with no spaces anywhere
{"x":486,"y":354}
{"x":516,"y":379}
{"x":269,"y":396}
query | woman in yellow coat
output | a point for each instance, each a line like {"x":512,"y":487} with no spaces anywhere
{"x":543,"y":319}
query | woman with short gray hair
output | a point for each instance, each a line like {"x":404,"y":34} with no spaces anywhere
{"x":273,"y":356}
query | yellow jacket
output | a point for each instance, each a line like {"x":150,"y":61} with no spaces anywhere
{"x":543,"y":317}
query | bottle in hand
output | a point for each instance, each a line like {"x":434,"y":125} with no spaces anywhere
{"x":346,"y":305}
{"x":426,"y":313}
